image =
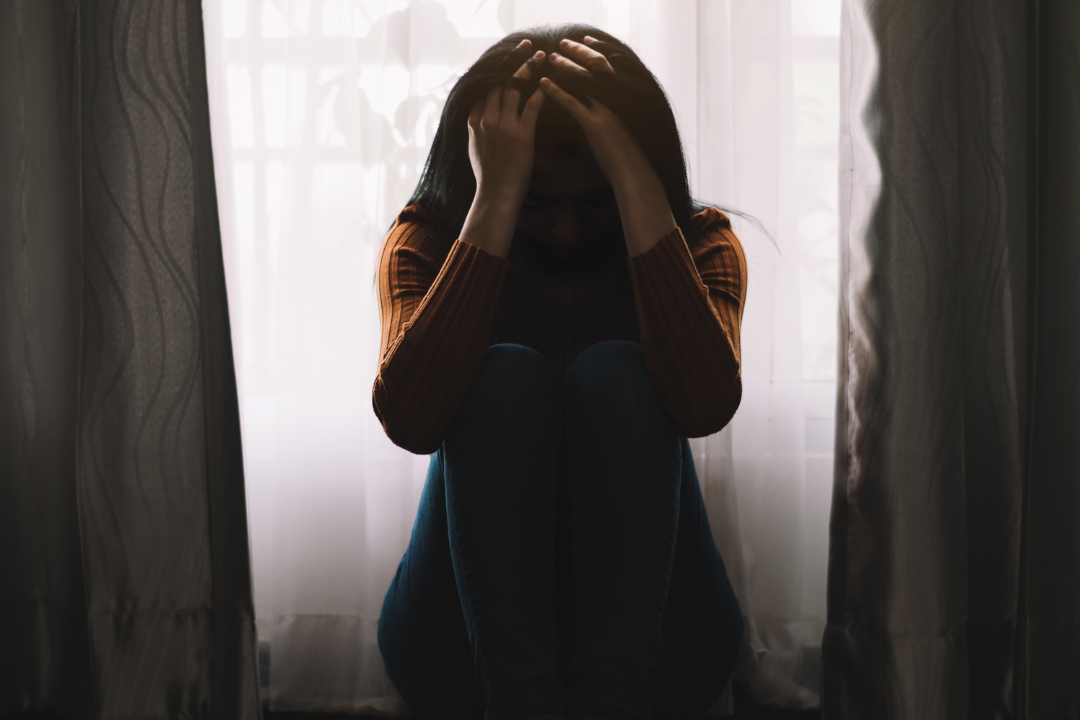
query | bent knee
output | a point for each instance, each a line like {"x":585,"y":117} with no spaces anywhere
{"x":612,"y":373}
{"x":515,"y":382}
{"x":513,"y":365}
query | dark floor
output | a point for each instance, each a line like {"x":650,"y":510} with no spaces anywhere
{"x":745,"y":709}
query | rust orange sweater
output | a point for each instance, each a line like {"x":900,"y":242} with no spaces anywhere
{"x":443,"y":303}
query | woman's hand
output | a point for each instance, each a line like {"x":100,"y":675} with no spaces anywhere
{"x":643,"y":204}
{"x":501,"y":143}
{"x":501,"y":150}
{"x":614,"y":148}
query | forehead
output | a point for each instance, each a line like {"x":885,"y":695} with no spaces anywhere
{"x":554,"y":125}
{"x":563,"y":166}
{"x":565,"y":170}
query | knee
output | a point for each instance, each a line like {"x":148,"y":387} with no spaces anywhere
{"x":515,"y":383}
{"x":612,"y":376}
{"x":510,"y":367}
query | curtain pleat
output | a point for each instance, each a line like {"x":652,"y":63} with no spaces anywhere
{"x":125,"y":556}
{"x":1052,"y":554}
{"x":44,"y":633}
{"x":953,"y":538}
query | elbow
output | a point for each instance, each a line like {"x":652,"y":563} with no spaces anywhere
{"x":402,"y":428}
{"x":732,"y":400}
{"x":712,"y":411}
{"x":408,"y":439}
{"x":417,"y":445}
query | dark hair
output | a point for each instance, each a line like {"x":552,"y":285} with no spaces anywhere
{"x":447,"y":185}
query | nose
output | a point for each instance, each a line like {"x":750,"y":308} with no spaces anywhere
{"x":566,"y":228}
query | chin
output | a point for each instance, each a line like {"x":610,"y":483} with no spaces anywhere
{"x":566,"y":250}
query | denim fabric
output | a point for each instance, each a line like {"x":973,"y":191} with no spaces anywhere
{"x":561,"y":563}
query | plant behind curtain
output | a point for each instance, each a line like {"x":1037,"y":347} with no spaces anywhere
{"x":323,"y":115}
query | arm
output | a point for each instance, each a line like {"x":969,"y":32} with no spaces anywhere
{"x":689,"y":306}
{"x":437,"y":324}
{"x":436,"y":317}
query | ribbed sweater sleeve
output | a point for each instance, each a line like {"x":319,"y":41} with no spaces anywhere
{"x":689,"y":304}
{"x":436,"y":322}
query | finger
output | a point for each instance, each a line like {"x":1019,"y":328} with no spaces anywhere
{"x":524,"y":43}
{"x":532,"y":108}
{"x":476,"y":113}
{"x":568,"y":101}
{"x":526,"y":70}
{"x":512,"y":93}
{"x":587,"y":56}
{"x":561,"y":61}
{"x":492,"y":105}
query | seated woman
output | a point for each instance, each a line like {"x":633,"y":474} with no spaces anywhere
{"x":558,"y":317}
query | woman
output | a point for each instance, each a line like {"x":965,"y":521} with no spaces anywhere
{"x":558,"y":317}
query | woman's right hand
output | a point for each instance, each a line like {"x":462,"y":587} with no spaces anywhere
{"x":501,"y":143}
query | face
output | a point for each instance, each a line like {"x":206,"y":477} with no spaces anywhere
{"x":570,"y":202}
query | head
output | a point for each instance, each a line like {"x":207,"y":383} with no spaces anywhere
{"x":569,"y":199}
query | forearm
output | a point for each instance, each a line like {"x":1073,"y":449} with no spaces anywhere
{"x":491,"y":221}
{"x":435,"y":347}
{"x":643,"y":207}
{"x":691,"y":348}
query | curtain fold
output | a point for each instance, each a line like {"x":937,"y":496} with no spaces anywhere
{"x":126,"y":588}
{"x":953,"y":538}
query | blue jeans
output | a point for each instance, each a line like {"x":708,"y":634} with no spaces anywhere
{"x":561,"y":563}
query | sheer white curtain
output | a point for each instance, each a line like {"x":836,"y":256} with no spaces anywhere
{"x":323,"y":112}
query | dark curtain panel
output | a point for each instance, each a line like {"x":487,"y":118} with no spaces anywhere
{"x":954,"y":568}
{"x":124,"y":575}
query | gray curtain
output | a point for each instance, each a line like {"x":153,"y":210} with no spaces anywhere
{"x":124,"y":574}
{"x":954,"y":568}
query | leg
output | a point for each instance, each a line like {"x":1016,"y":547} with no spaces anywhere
{"x":422,"y":635}
{"x":466,"y":628}
{"x":500,"y":457}
{"x":625,"y":465}
{"x":703,"y":625}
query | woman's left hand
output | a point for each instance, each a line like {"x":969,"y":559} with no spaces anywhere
{"x":615,"y":150}
{"x":643,"y":204}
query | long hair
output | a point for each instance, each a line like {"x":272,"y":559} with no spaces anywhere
{"x":447,"y":185}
